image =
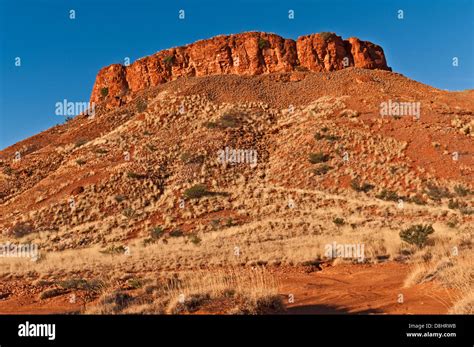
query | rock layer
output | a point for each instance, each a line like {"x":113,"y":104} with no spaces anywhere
{"x":250,"y":53}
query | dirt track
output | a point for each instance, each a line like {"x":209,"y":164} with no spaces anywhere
{"x":341,"y":289}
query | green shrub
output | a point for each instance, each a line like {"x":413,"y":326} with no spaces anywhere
{"x":461,"y":190}
{"x":417,"y":234}
{"x":315,"y":158}
{"x":196,"y":192}
{"x":322,"y":169}
{"x":176,"y":233}
{"x":119,"y":198}
{"x":51,"y":293}
{"x":339,"y":221}
{"x":80,"y":142}
{"x":437,"y":193}
{"x":104,"y":92}
{"x":141,"y":106}
{"x":135,"y":175}
{"x":327,"y":35}
{"x":361,"y":187}
{"x":21,"y":229}
{"x":156,"y":232}
{"x":229,"y":121}
{"x":169,"y":60}
{"x":128,"y":212}
{"x":196,"y":240}
{"x":262,"y":43}
{"x":388,"y":195}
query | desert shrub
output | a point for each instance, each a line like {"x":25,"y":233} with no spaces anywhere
{"x":80,"y":142}
{"x":417,"y":234}
{"x":322,"y":169}
{"x":339,"y":221}
{"x":454,"y":204}
{"x":156,"y":232}
{"x":361,"y":187}
{"x":210,"y":125}
{"x":229,"y":121}
{"x":51,"y":293}
{"x":114,"y":250}
{"x":21,"y":229}
{"x":82,"y":284}
{"x":115,"y":302}
{"x":327,"y":35}
{"x":417,"y":200}
{"x":388,"y":195}
{"x":119,"y":198}
{"x":80,"y":162}
{"x":141,"y":106}
{"x":128,"y":212}
{"x":100,"y":151}
{"x":332,"y":138}
{"x":176,"y":233}
{"x":135,"y":175}
{"x":437,"y":193}
{"x":196,"y":240}
{"x":188,"y":158}
{"x":191,"y":303}
{"x":68,"y":119}
{"x":461,"y":190}
{"x":262,"y":43}
{"x":196,"y":192}
{"x":315,"y":158}
{"x":104,"y":92}
{"x":268,"y":304}
{"x":169,"y":60}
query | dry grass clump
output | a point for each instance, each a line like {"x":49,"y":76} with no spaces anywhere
{"x":238,"y":291}
{"x":452,"y":267}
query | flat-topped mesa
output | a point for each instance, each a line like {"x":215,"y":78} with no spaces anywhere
{"x":252,"y":53}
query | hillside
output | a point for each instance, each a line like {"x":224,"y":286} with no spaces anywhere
{"x":251,"y":173}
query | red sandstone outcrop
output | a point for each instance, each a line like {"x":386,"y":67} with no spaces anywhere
{"x":251,"y":53}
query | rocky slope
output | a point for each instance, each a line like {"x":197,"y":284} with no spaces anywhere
{"x":252,"y":53}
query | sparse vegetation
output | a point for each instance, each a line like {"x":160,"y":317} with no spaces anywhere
{"x":169,"y":60}
{"x":320,"y":157}
{"x":437,"y":193}
{"x":339,"y":221}
{"x":262,"y":43}
{"x":461,"y":190}
{"x":361,"y":187}
{"x":327,"y":35}
{"x":141,"y":106}
{"x":388,"y":195}
{"x":80,"y":162}
{"x":21,"y":229}
{"x":322,"y":169}
{"x":104,"y":92}
{"x":80,"y":142}
{"x":156,"y":232}
{"x":196,"y":192}
{"x":417,"y":234}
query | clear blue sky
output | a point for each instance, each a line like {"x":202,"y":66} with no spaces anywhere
{"x":60,"y":57}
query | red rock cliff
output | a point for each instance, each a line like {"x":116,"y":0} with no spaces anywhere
{"x":250,"y":53}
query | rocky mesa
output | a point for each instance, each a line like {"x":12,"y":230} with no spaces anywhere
{"x":251,"y":53}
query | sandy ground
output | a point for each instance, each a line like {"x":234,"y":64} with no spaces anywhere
{"x":340,"y":289}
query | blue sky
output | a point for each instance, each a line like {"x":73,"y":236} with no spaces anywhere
{"x":60,"y":57}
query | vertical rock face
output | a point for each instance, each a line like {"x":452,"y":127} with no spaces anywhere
{"x":251,"y":53}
